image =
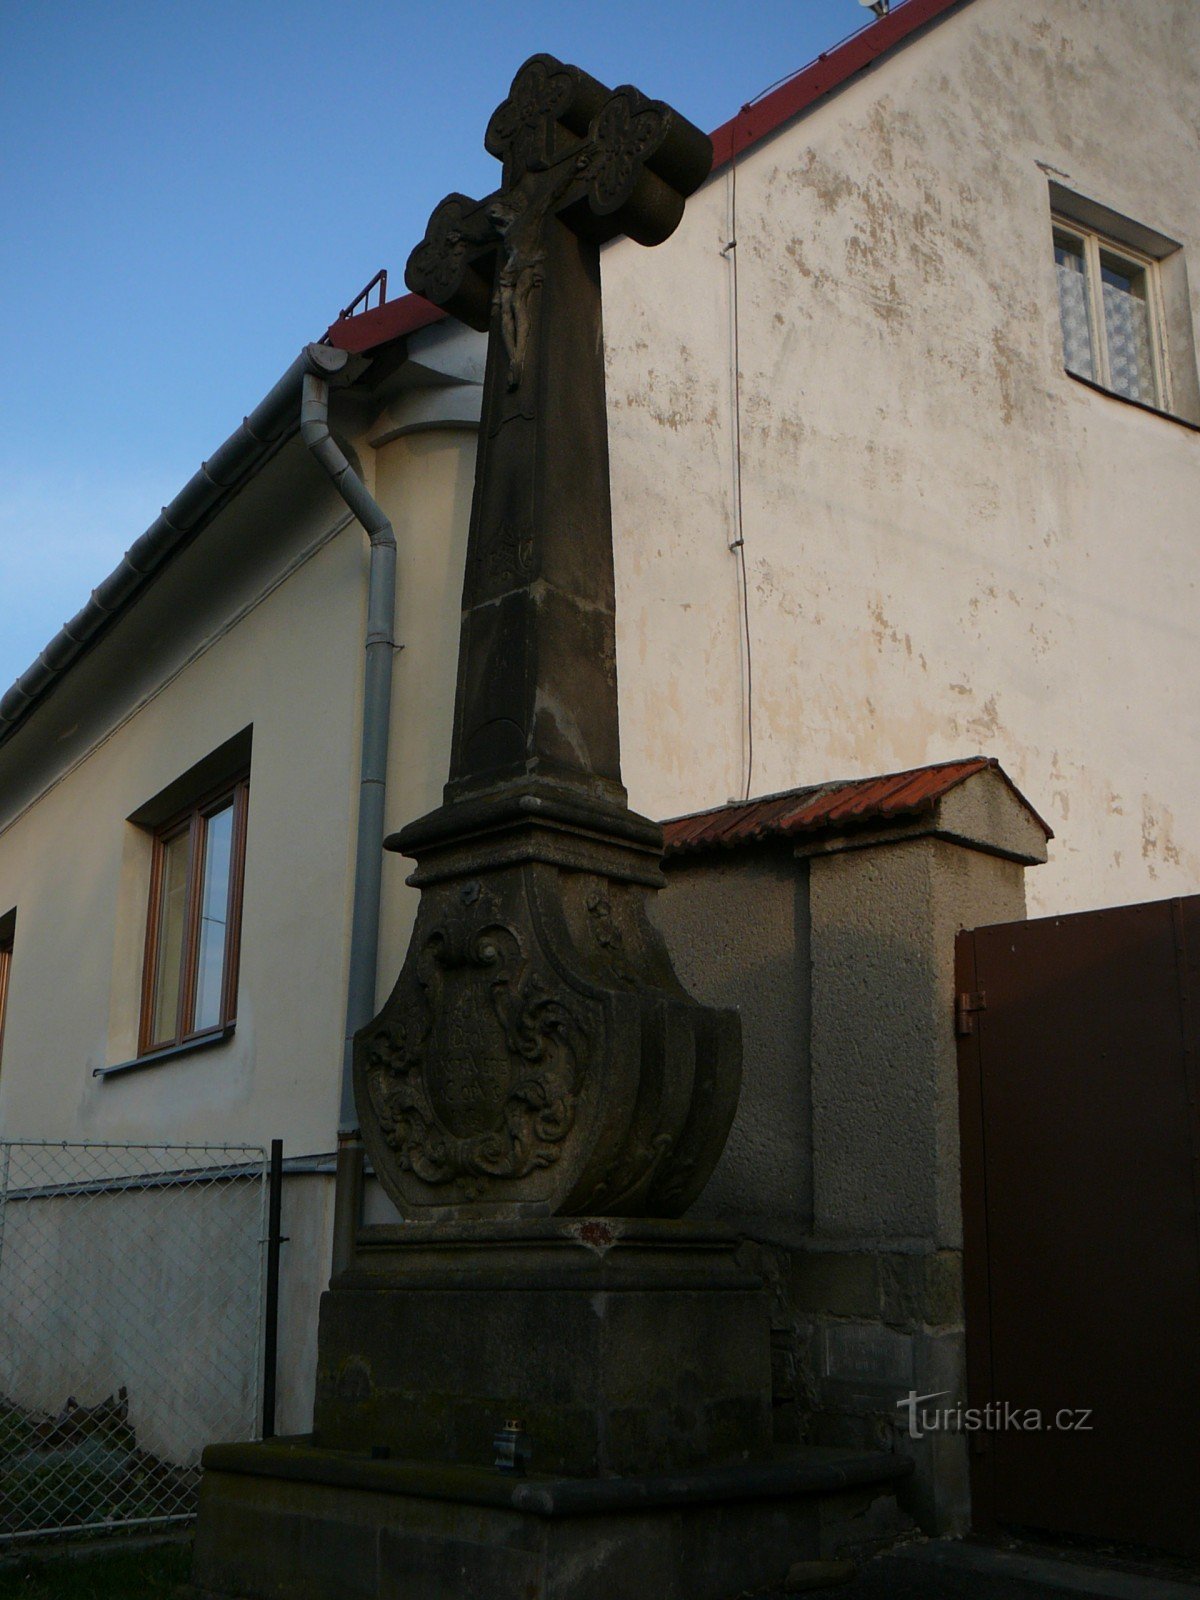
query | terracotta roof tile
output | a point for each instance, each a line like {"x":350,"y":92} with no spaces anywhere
{"x":857,"y":802}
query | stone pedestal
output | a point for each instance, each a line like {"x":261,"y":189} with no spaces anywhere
{"x":637,"y":1356}
{"x":538,"y":1053}
{"x":286,"y":1520}
{"x":623,"y":1347}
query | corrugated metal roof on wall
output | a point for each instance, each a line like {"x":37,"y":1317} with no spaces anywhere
{"x":857,"y":802}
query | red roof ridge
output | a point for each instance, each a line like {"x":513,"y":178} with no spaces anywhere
{"x":762,"y":117}
{"x":756,"y":121}
{"x":848,"y":802}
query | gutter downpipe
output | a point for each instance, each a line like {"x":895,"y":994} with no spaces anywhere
{"x":323,"y":363}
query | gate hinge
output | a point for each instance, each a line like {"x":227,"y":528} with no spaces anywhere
{"x":965,"y":1008}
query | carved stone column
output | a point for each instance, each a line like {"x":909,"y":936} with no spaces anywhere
{"x":538,"y":1059}
{"x":538,"y":1054}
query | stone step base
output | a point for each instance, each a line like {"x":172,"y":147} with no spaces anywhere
{"x":285,"y":1519}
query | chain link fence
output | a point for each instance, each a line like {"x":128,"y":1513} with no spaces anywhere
{"x":131,"y":1311}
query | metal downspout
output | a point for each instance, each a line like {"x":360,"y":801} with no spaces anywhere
{"x":324,"y":363}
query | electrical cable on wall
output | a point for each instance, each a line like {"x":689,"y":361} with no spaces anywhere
{"x":738,"y":543}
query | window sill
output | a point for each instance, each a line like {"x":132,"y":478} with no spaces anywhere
{"x":1138,"y":405}
{"x":190,"y":1048}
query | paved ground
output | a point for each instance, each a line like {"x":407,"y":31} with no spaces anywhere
{"x":936,"y":1569}
{"x":952,"y":1570}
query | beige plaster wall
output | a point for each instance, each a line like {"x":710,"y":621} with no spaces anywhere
{"x":270,"y":637}
{"x":950,"y":545}
{"x":279,"y":654}
{"x":424,"y":482}
{"x":264,"y":630}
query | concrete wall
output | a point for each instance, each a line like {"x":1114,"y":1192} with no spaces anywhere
{"x":951,"y":546}
{"x":738,"y":929}
{"x":843,"y":1161}
{"x":156,"y":1291}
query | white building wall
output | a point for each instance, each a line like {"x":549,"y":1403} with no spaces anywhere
{"x":259,"y":625}
{"x":277,"y":647}
{"x":951,"y":546}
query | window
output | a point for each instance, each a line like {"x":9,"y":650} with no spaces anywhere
{"x":1111,"y":314}
{"x":189,"y":988}
{"x":7,"y":928}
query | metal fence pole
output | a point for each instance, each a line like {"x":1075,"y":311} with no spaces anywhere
{"x":271,"y":1310}
{"x":4,"y":1195}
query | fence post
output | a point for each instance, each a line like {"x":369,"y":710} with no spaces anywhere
{"x":4,"y":1194}
{"x":271,"y":1311}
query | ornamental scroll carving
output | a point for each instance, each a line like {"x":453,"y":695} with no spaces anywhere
{"x":624,"y":133}
{"x":476,"y":1074}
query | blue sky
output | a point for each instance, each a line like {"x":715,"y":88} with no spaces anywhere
{"x":191,"y":193}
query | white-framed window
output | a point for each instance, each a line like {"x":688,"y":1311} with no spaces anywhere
{"x":1111,"y":314}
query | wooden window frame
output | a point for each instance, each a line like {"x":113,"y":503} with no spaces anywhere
{"x":192,"y":820}
{"x":1091,"y":244}
{"x":6,"y":953}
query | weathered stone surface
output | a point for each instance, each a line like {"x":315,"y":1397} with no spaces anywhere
{"x":623,"y":1349}
{"x":581,"y":164}
{"x":285,"y":1519}
{"x":903,"y":1288}
{"x":538,"y":1058}
{"x":538,"y":1053}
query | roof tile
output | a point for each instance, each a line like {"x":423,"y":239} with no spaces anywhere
{"x":857,"y":802}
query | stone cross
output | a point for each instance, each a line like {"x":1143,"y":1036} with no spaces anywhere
{"x":537,"y":692}
{"x":538,"y":1054}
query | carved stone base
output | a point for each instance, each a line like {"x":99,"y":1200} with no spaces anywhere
{"x":623,"y":1347}
{"x":538,"y":1054}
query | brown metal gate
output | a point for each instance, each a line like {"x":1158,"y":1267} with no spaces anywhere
{"x":1078,"y":1057}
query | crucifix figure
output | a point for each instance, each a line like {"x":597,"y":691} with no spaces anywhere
{"x":519,"y":218}
{"x":538,"y":1053}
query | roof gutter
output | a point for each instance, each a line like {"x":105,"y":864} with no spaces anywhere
{"x":269,"y":425}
